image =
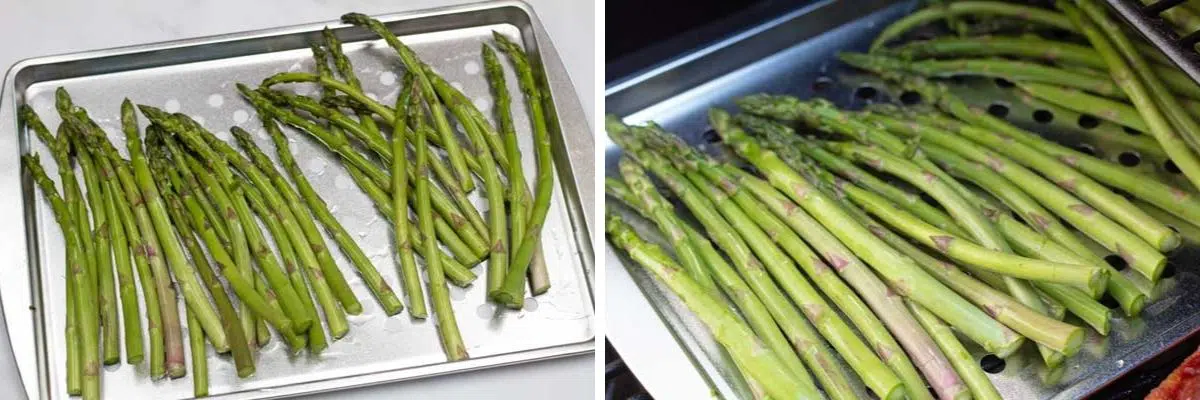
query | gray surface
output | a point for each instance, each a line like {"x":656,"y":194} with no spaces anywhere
{"x":677,"y":97}
{"x":573,"y":375}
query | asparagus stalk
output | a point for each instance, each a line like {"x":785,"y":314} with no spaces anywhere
{"x":101,"y":257}
{"x":230,"y":321}
{"x":1112,"y":45}
{"x":514,"y":285}
{"x":846,"y":300}
{"x":193,"y":292}
{"x":1010,"y":312}
{"x":1102,"y":198}
{"x":233,"y":201}
{"x":340,"y":145}
{"x":757,"y":312}
{"x":972,"y":375}
{"x":932,"y":180}
{"x":877,"y":376}
{"x":902,"y":275}
{"x":370,"y":134}
{"x":847,"y":169}
{"x":452,"y":343}
{"x":455,"y":271}
{"x":1041,"y":220}
{"x":306,"y":240}
{"x":498,"y":260}
{"x":436,"y":109}
{"x":884,"y":301}
{"x":519,"y":210}
{"x":382,"y":147}
{"x":85,"y":308}
{"x":1116,"y":111}
{"x":973,"y":8}
{"x":141,"y":259}
{"x":255,"y":200}
{"x":61,"y":154}
{"x":1035,"y":48}
{"x":383,"y":293}
{"x":171,"y":332}
{"x":199,"y":356}
{"x":663,"y":215}
{"x":130,"y":312}
{"x":1175,"y":200}
{"x":407,"y":263}
{"x":760,"y":363}
{"x":793,"y":325}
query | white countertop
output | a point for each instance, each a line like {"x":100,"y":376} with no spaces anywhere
{"x":39,"y":28}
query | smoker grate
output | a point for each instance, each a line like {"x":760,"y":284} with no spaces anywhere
{"x":1147,"y":20}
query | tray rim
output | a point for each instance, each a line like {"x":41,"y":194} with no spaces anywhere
{"x":20,"y":301}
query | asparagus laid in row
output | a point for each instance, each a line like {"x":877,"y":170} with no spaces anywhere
{"x":85,"y":308}
{"x":760,"y":363}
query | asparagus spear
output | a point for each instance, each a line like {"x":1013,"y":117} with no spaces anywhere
{"x":758,"y":312}
{"x":254,"y":200}
{"x":101,"y":257}
{"x":973,"y":8}
{"x":383,"y":293}
{"x":408,"y":264}
{"x":877,"y":376}
{"x":233,"y":201}
{"x":1102,"y":198}
{"x":932,"y":180}
{"x":1010,"y":312}
{"x":498,"y":222}
{"x":199,"y":356}
{"x":1036,"y":48}
{"x":340,"y":145}
{"x":518,"y":199}
{"x":84,"y":304}
{"x":369,"y":133}
{"x":899,"y":271}
{"x":849,"y":171}
{"x":452,"y":343}
{"x":306,"y":239}
{"x":193,"y":293}
{"x":230,"y":321}
{"x":964,"y":251}
{"x":513,"y":293}
{"x":185,"y":205}
{"x":1175,"y":200}
{"x":130,"y":312}
{"x":794,"y":326}
{"x":61,"y":154}
{"x":455,"y":271}
{"x":1112,"y":45}
{"x":761,"y":364}
{"x":972,"y":375}
{"x":889,"y":308}
{"x":1112,"y":110}
{"x":383,"y":148}
{"x":1122,"y":289}
{"x":171,"y":336}
{"x":137,"y":245}
{"x":436,"y":109}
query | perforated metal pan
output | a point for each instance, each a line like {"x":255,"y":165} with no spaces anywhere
{"x":197,"y":77}
{"x":794,"y":54}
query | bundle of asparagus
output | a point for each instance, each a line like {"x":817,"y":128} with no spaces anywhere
{"x":186,"y":203}
{"x":918,"y":221}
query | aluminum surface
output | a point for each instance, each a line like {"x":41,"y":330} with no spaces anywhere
{"x":795,"y":55}
{"x":197,"y":77}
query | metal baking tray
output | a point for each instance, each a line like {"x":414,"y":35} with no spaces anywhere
{"x":794,"y":54}
{"x":197,"y":77}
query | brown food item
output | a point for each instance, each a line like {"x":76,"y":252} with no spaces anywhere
{"x":1182,"y":384}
